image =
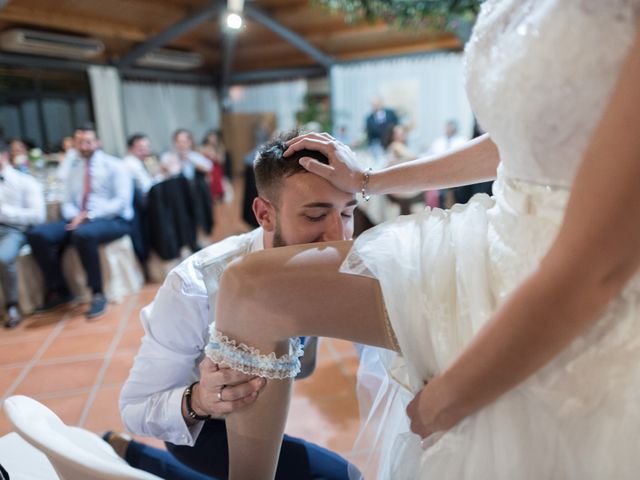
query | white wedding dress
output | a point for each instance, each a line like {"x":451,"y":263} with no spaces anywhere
{"x":539,"y":75}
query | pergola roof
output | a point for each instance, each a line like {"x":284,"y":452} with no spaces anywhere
{"x":280,"y":37}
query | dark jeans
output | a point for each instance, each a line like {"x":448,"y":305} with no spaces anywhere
{"x":49,"y":240}
{"x":160,"y":463}
{"x":11,"y":240}
{"x":299,"y":460}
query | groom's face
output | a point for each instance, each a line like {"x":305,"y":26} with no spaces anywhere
{"x":310,"y":210}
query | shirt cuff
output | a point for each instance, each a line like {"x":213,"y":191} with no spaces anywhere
{"x":185,"y":435}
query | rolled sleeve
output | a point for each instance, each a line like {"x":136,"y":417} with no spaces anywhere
{"x":167,"y":362}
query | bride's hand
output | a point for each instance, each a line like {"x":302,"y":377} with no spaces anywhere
{"x":429,"y":412}
{"x":343,"y":171}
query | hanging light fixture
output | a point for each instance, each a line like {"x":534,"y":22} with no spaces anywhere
{"x":234,"y":14}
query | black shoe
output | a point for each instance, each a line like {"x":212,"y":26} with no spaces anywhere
{"x":13,"y":317}
{"x":54,"y":300}
{"x":98,"y":306}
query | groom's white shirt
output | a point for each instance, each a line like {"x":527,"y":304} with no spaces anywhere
{"x":176,"y":326}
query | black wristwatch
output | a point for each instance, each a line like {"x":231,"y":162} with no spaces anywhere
{"x":190,"y":411}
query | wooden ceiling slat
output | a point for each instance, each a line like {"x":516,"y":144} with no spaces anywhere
{"x":62,"y":21}
{"x":124,"y":24}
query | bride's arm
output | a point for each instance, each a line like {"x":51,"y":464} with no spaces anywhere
{"x":595,"y":254}
{"x":476,"y":161}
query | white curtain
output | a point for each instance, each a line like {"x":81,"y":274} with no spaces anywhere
{"x":282,"y":98}
{"x":106,"y":91}
{"x":157,"y":109}
{"x":425,"y":91}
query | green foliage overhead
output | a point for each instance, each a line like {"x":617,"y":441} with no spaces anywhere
{"x":437,"y":14}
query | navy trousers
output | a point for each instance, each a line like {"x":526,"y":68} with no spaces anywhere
{"x":208,"y":458}
{"x":49,"y":240}
{"x":160,"y":463}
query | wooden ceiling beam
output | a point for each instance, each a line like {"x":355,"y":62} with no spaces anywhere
{"x":186,"y":24}
{"x":71,"y":23}
{"x":399,"y":50}
{"x":290,"y":36}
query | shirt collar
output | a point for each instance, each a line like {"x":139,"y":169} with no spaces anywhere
{"x":8,"y":172}
{"x":258,"y":241}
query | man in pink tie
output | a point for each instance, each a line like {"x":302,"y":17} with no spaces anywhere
{"x":97,"y":209}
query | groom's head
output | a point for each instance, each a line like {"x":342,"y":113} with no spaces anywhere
{"x":294,"y":206}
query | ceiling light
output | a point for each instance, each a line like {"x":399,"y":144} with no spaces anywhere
{"x":234,"y":21}
{"x":235,"y":5}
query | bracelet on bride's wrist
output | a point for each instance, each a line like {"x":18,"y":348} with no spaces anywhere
{"x":365,"y":184}
{"x":187,"y":400}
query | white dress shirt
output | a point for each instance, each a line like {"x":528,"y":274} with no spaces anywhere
{"x":21,"y":199}
{"x":111,"y":188}
{"x":138,"y":172}
{"x":65,"y":164}
{"x":444,"y":144}
{"x":175,"y":165}
{"x":176,"y":326}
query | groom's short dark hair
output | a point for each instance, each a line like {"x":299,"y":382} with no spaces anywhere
{"x":271,"y":167}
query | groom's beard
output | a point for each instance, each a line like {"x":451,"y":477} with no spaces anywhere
{"x":278,"y":241}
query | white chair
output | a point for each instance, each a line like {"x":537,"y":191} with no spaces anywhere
{"x":23,"y":461}
{"x":75,"y":453}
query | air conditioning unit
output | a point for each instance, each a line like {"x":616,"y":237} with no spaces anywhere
{"x":174,"y":59}
{"x":50,"y":44}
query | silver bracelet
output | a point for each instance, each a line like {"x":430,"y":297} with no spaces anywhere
{"x":365,"y":183}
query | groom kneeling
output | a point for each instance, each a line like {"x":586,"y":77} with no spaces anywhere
{"x":172,"y":393}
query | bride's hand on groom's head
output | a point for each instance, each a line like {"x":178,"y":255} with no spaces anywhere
{"x":344,"y":171}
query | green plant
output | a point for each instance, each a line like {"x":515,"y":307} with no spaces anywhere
{"x":452,"y":15}
{"x":316,"y":110}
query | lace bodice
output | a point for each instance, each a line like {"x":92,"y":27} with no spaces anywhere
{"x":539,"y":75}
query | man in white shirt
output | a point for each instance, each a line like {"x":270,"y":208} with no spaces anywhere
{"x":21,"y":205}
{"x":139,"y":148}
{"x":97,"y":209}
{"x":449,"y":140}
{"x":293,"y":207}
{"x":183,"y":159}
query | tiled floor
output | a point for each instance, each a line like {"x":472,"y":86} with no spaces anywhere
{"x":77,"y":369}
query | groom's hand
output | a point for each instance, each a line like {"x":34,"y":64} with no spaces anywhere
{"x":222,"y":390}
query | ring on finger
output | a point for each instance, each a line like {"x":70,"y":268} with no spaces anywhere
{"x":220,"y":394}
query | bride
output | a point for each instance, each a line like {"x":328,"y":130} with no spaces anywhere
{"x":517,"y":316}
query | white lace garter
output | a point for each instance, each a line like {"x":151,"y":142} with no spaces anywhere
{"x":226,"y":352}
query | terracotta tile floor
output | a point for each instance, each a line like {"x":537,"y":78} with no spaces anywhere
{"x":77,"y":368}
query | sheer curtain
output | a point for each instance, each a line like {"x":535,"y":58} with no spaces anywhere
{"x":157,"y":109}
{"x":282,"y":98}
{"x":106,"y":92}
{"x":425,"y":91}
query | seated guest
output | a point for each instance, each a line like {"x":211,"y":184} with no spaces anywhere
{"x":70,"y":155}
{"x":21,"y":205}
{"x":213,"y":149}
{"x":176,"y":393}
{"x":182,"y":159}
{"x":97,"y":209}
{"x":139,"y":149}
{"x":19,"y":154}
{"x":398,"y":152}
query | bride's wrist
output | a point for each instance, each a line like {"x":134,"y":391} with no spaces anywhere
{"x":365,"y":178}
{"x":368,"y":181}
{"x":448,"y":408}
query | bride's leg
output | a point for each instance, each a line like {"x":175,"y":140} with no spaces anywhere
{"x":267,"y":298}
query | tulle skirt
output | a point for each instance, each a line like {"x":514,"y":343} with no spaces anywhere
{"x":443,"y":274}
